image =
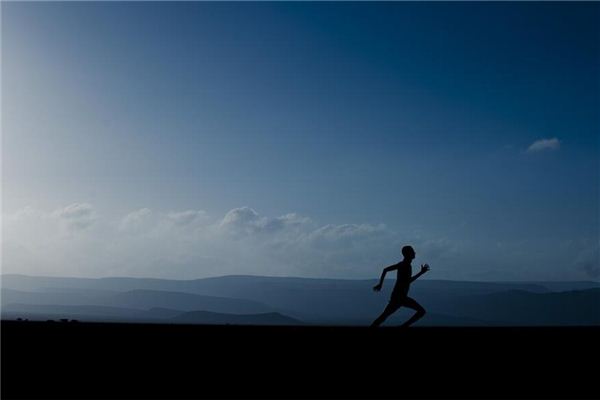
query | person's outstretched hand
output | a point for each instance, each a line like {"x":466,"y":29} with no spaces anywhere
{"x":424,"y":268}
{"x":377,"y":287}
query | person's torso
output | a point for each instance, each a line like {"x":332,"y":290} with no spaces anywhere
{"x":403,"y":275}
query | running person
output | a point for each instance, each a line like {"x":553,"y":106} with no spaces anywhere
{"x":399,"y":295}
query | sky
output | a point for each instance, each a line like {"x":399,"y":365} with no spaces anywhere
{"x":185,"y":140}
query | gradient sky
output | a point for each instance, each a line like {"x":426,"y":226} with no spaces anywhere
{"x":319,"y":136}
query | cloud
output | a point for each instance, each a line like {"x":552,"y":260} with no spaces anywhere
{"x":186,"y":218}
{"x":137,"y":221}
{"x":347,"y":234}
{"x":246,"y":221}
{"x":544,"y":145}
{"x":240,"y":220}
{"x":588,"y":260}
{"x":27,"y":212}
{"x":190,"y":244}
{"x":592,"y":269}
{"x":76,"y":216}
{"x":187,"y":244}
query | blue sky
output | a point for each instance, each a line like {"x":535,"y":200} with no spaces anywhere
{"x":468,"y":129}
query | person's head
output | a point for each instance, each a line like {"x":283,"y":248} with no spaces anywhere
{"x":409,"y":253}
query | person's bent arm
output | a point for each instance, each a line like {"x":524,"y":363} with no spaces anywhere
{"x":424,"y":268}
{"x":377,"y":287}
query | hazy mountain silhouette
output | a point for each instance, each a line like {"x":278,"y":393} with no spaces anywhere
{"x":140,"y":299}
{"x":187,"y":302}
{"x":70,"y":309}
{"x":568,"y":286}
{"x":227,"y":286}
{"x":321,"y":301}
{"x":205,"y":317}
{"x":86,"y":312}
{"x":156,"y":315}
{"x":516,"y":307}
{"x":56,"y":297}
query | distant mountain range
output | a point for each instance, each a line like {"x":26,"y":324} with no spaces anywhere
{"x":287,"y":301}
{"x":205,"y":317}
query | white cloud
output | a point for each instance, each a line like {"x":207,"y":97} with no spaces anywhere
{"x":544,"y":145}
{"x":347,"y":236}
{"x":246,"y":221}
{"x":76,"y":216}
{"x":588,"y":260}
{"x":27,"y":212}
{"x":77,"y":241}
{"x":243,"y":220}
{"x":137,"y":221}
{"x":189,"y":244}
{"x":189,"y":217}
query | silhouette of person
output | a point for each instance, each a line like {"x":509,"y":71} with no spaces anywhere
{"x":399,"y":295}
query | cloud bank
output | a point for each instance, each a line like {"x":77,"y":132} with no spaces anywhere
{"x":544,"y":145}
{"x":77,"y":240}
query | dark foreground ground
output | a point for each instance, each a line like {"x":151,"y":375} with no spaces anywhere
{"x":85,"y":360}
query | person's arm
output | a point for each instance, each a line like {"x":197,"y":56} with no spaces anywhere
{"x":377,"y":287}
{"x":424,"y":268}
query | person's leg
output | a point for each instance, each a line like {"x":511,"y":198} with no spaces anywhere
{"x":389,"y":310}
{"x":420,"y":311}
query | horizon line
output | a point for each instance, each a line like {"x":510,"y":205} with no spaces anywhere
{"x":285,"y":277}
